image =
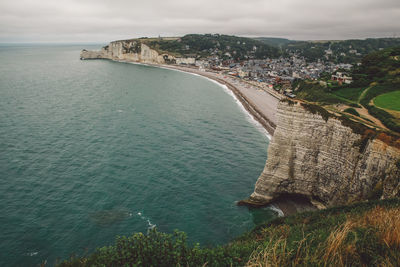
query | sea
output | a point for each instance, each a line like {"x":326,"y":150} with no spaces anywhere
{"x":95,"y":149}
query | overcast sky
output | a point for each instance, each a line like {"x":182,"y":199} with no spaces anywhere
{"x":106,"y":20}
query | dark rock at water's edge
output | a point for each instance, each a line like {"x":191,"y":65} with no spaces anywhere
{"x":288,"y":203}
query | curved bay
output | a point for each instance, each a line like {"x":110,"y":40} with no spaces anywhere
{"x":95,"y":149}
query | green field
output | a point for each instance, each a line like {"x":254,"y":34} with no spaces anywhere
{"x":388,"y":101}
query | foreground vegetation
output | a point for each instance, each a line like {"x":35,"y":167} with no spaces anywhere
{"x":362,"y":234}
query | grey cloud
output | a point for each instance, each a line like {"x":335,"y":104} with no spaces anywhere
{"x":105,"y":20}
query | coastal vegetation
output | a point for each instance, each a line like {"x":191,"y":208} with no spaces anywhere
{"x":278,"y":42}
{"x":208,"y":45}
{"x":349,"y":93}
{"x":346,"y":51}
{"x":376,"y":86}
{"x":361,"y":234}
{"x":314,"y":92}
{"x":352,"y":111}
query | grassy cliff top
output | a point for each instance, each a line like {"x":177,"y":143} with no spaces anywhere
{"x":211,"y":45}
{"x":362,"y":234}
{"x":377,"y":75}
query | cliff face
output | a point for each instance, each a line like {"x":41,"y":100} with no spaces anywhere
{"x":321,"y":160}
{"x":133,"y":51}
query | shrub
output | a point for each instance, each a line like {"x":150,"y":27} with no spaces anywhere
{"x":161,"y":249}
{"x":352,"y":111}
{"x":290,"y":102}
{"x":365,"y":137}
{"x":355,"y":105}
{"x":385,"y":117}
{"x":316,"y":109}
{"x":376,"y":192}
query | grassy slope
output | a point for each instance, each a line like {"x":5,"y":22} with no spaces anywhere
{"x":313,"y":92}
{"x":351,"y":94}
{"x":366,"y":234}
{"x":361,"y":234}
{"x":378,"y":75}
{"x":389,"y":101}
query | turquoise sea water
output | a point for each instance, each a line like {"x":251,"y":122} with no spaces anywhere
{"x":94,"y":149}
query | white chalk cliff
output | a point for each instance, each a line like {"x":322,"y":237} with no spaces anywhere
{"x":134,"y":51}
{"x":325,"y":161}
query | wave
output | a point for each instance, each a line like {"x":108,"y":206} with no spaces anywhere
{"x":31,"y":254}
{"x":276,"y":209}
{"x":151,"y":226}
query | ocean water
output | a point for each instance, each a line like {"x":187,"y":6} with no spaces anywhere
{"x":90,"y":150}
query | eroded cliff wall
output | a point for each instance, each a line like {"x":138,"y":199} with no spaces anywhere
{"x":322,"y":160}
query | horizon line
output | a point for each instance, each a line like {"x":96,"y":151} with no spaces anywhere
{"x":254,"y":37}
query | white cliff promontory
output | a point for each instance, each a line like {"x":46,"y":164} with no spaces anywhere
{"x":134,"y":51}
{"x":326,"y":161}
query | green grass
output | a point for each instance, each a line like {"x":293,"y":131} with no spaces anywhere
{"x":362,"y":234}
{"x":388,"y":101}
{"x":314,"y":92}
{"x":378,"y":90}
{"x":351,"y":94}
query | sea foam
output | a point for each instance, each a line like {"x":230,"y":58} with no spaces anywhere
{"x":149,"y":223}
{"x":276,"y":209}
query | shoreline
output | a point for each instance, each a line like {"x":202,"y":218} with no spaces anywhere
{"x":249,"y":106}
{"x":282,"y":207}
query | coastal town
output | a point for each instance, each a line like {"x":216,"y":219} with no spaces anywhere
{"x":278,"y":74}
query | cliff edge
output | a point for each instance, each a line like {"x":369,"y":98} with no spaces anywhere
{"x":325,"y":160}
